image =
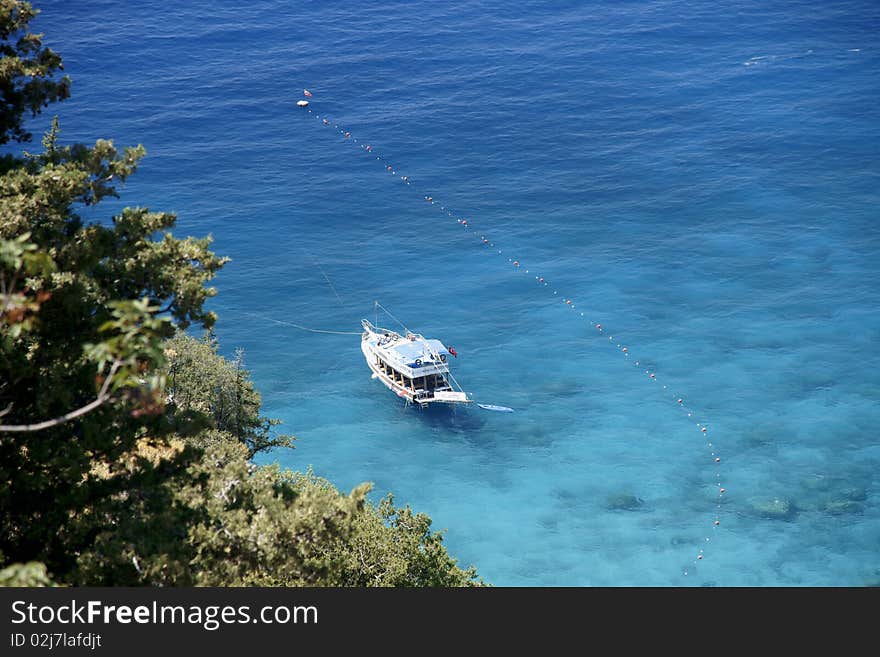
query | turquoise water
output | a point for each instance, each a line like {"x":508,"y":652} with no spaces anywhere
{"x":700,"y":179}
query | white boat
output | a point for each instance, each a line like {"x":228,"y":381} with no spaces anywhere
{"x":412,"y":366}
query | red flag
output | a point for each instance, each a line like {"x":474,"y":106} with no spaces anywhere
{"x":306,"y":92}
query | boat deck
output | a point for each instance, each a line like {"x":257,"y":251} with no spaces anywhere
{"x":411,"y":366}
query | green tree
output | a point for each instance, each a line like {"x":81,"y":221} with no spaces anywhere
{"x":202,"y":382}
{"x":222,"y":522}
{"x":27,"y":81}
{"x":84,"y":308}
{"x":393,"y":546}
{"x":246,"y":522}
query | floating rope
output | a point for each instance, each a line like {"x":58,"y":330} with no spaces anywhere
{"x":300,"y":327}
{"x":489,"y":244}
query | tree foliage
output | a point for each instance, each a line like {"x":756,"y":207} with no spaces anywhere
{"x":27,"y":71}
{"x":393,"y":546}
{"x":30,"y":574}
{"x":126,"y":445}
{"x":202,"y":382}
{"x":85,"y":308}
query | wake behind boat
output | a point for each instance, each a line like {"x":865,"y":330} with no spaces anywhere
{"x":412,"y":366}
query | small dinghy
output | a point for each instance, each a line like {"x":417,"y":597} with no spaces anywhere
{"x":493,"y":407}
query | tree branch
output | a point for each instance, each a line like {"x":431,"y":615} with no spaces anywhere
{"x":102,"y":398}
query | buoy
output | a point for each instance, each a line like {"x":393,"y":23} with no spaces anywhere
{"x":516,"y":263}
{"x":599,"y":326}
{"x":699,"y":556}
{"x":721,"y":490}
{"x":624,"y":350}
{"x":717,"y":522}
{"x":679,"y":400}
{"x":302,"y":103}
{"x":703,"y":429}
{"x":717,"y":460}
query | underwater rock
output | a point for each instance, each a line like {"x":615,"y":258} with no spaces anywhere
{"x":535,"y":439}
{"x":841,"y":507}
{"x":839,"y":487}
{"x":565,"y":388}
{"x":550,"y":523}
{"x":624,"y":502}
{"x":834,"y":495}
{"x":817,"y":482}
{"x":854,"y":494}
{"x":774,"y":509}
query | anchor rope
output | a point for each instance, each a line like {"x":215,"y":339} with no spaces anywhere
{"x":299,"y":326}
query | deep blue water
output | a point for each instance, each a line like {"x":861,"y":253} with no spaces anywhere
{"x":701,"y":178}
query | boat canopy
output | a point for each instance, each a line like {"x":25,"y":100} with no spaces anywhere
{"x":409,"y":351}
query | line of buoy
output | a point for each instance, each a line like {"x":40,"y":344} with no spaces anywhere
{"x":488,"y":243}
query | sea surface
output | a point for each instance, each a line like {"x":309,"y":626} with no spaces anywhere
{"x":700,"y":178}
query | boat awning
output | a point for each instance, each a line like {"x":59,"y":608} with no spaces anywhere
{"x":410,"y":350}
